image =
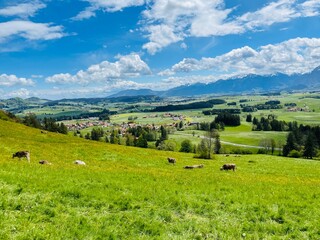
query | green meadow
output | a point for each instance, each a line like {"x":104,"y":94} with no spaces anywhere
{"x":133,"y":193}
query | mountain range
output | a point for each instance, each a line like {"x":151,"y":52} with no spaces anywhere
{"x":240,"y":85}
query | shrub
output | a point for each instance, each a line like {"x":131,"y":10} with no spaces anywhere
{"x":294,"y":154}
{"x":186,"y":146}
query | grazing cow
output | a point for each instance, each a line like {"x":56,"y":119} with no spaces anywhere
{"x":79,"y":162}
{"x":22,"y":154}
{"x":172,"y":160}
{"x":44,"y":132}
{"x":194,"y":166}
{"x":230,"y":166}
{"x":44,"y":162}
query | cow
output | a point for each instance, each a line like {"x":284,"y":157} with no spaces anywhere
{"x":230,"y":166}
{"x":22,"y":154}
{"x":44,"y":162}
{"x":79,"y":162}
{"x":194,"y":166}
{"x":172,"y":160}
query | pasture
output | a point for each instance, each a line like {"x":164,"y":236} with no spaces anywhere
{"x":133,"y":193}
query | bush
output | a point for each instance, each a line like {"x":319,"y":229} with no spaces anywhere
{"x":294,"y":154}
{"x":240,"y":151}
{"x":186,"y":146}
{"x":262,"y":151}
{"x":166,"y":146}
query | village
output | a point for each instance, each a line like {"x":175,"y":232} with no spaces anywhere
{"x":124,"y":126}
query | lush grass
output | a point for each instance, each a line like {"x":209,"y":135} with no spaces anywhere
{"x":132,"y":193}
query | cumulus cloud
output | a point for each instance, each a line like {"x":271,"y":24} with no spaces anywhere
{"x":161,"y":36}
{"x":165,"y":22}
{"x":128,"y":66}
{"x":29,"y":30}
{"x":21,"y":93}
{"x":310,"y":8}
{"x":107,"y":6}
{"x":13,"y":80}
{"x":206,"y":18}
{"x":22,"y":10}
{"x":299,"y":55}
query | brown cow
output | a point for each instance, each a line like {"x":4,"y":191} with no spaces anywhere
{"x":230,"y":166}
{"x":172,"y":160}
{"x":22,"y":154}
{"x":194,"y":166}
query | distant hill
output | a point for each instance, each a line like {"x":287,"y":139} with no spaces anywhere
{"x":134,"y":92}
{"x":247,"y":84}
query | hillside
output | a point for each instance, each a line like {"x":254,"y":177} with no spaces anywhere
{"x":132,"y":193}
{"x":7,"y":116}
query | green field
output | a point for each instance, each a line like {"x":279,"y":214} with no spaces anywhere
{"x":133,"y":193}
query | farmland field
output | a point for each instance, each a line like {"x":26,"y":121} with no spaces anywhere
{"x":133,"y":193}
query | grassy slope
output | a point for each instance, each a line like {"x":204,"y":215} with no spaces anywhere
{"x":132,"y":193}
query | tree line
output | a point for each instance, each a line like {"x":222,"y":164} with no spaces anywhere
{"x":47,"y":124}
{"x":194,"y":105}
{"x":302,"y":141}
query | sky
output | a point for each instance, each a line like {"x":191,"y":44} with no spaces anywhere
{"x":57,"y":49}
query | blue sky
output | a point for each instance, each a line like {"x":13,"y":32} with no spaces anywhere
{"x":92,"y":48}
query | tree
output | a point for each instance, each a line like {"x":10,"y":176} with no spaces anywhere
{"x":290,"y":145}
{"x":217,"y":144}
{"x":129,"y":139}
{"x":210,"y":135}
{"x":114,"y":139}
{"x":186,"y":146}
{"x":142,"y":142}
{"x":205,"y":148}
{"x":310,"y":150}
{"x":164,"y":134}
{"x":31,"y":121}
{"x":273,"y":145}
{"x":249,"y":118}
{"x":166,"y":146}
{"x":181,"y":125}
{"x":87,"y":136}
{"x":266,"y":145}
{"x":151,"y":136}
{"x":96,"y":134}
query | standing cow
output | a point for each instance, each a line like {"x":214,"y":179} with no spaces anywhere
{"x":230,"y":166}
{"x":172,"y":160}
{"x":22,"y":154}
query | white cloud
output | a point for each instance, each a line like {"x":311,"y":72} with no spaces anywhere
{"x":310,"y":8}
{"x":30,"y":30}
{"x":166,"y":73}
{"x":101,"y":90}
{"x":171,"y":21}
{"x":128,"y":66}
{"x":294,"y":56}
{"x":160,"y":36}
{"x":22,"y":93}
{"x":183,"y":45}
{"x":180,"y":19}
{"x":275,"y":12}
{"x":13,"y":80}
{"x":22,"y":10}
{"x":107,"y":6}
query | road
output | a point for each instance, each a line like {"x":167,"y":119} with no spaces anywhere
{"x":231,"y":143}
